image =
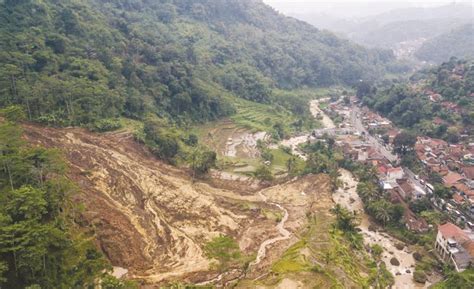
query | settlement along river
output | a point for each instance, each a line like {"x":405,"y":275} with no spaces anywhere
{"x":347,"y":197}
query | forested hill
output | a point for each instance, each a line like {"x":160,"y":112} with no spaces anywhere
{"x":437,"y":102}
{"x":72,"y":62}
{"x":458,"y":42}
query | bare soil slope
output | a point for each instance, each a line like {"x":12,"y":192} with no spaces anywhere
{"x":153,"y":220}
{"x":150,"y":218}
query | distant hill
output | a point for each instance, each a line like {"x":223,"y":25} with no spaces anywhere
{"x":458,"y":42}
{"x":390,"y":29}
{"x":392,"y":33}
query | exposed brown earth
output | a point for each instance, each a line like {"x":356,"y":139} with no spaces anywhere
{"x":153,"y":220}
{"x":230,"y":140}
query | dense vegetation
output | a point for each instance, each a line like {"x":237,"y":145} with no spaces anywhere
{"x":457,"y":42}
{"x":462,"y":280}
{"x":408,"y":105}
{"x":76,"y":62}
{"x":41,"y":246}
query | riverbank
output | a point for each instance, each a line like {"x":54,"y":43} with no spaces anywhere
{"x":347,"y":197}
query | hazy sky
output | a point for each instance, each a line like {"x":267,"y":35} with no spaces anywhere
{"x":350,"y":7}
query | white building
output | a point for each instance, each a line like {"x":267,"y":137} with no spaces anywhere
{"x":455,"y":245}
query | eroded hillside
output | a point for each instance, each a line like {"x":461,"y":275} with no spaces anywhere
{"x":152,"y":219}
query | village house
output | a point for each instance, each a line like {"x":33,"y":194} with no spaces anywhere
{"x":468,"y":172}
{"x":406,"y":189}
{"x":451,"y":106}
{"x":392,"y":134}
{"x":455,"y":245}
{"x":468,"y":159}
{"x":394,"y":174}
{"x":458,"y":199}
{"x":435,"y":97}
{"x":451,"y":179}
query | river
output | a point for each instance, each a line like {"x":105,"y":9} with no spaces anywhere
{"x":347,"y":197}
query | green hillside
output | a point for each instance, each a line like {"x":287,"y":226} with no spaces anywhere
{"x":73,"y":62}
{"x":444,"y":93}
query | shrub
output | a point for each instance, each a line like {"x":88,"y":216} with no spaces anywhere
{"x":104,"y":125}
{"x":263,"y":173}
{"x":419,"y":276}
{"x":13,"y":113}
{"x":417,"y":256}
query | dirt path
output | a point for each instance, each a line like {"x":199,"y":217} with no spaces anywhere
{"x":315,"y":111}
{"x":284,"y":233}
{"x":347,"y":197}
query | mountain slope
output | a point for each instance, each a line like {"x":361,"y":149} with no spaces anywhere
{"x":73,"y":62}
{"x":458,"y":42}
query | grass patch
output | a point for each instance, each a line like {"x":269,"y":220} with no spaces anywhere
{"x":272,"y":215}
{"x":292,"y":260}
{"x":260,"y":117}
{"x":280,"y":158}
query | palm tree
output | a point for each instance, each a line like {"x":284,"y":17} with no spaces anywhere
{"x":381,"y":211}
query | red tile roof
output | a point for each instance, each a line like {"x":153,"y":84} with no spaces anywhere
{"x":382,"y":169}
{"x":458,"y":198}
{"x":461,"y":187}
{"x":451,"y":231}
{"x":395,"y":170}
{"x":451,"y":178}
{"x":468,"y":172}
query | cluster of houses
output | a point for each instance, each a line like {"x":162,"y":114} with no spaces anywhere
{"x":455,"y":245}
{"x":393,"y":179}
{"x":374,"y":121}
{"x":448,"y":105}
{"x":453,"y":162}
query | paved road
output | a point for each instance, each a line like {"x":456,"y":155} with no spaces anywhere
{"x":357,"y":124}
